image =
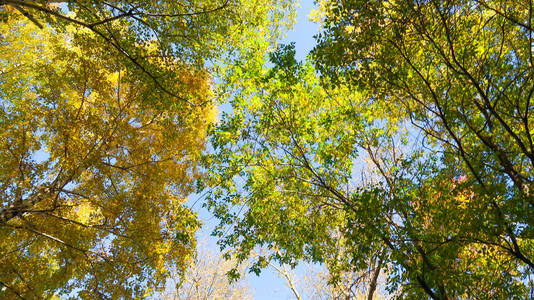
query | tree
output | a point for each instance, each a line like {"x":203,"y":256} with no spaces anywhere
{"x":155,"y":39}
{"x":93,"y":180}
{"x":282,"y":164}
{"x":316,"y":282}
{"x":285,"y":177}
{"x":207,"y":278}
{"x":462,"y":71}
{"x":104,"y":110}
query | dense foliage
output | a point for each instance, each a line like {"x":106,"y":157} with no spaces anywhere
{"x":92,"y":182}
{"x":154,"y":40}
{"x":436,"y":97}
{"x":400,"y":149}
{"x":104,"y":108}
{"x":462,"y":73}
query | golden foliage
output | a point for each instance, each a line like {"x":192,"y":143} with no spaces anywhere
{"x":93,"y":176}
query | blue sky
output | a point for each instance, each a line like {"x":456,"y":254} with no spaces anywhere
{"x":303,"y":31}
{"x":268,"y":285}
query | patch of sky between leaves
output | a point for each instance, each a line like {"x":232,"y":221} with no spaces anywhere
{"x":268,"y":285}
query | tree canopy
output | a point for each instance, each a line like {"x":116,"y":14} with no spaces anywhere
{"x":153,"y":40}
{"x":462,"y":72}
{"x":103,"y":116}
{"x":92,"y":181}
{"x":433,"y":96}
{"x":399,"y":150}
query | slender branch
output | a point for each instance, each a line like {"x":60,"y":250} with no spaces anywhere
{"x":288,"y":278}
{"x":207,"y":11}
{"x":111,"y":40}
{"x":12,"y":290}
{"x":374,"y":279}
{"x":30,"y":17}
